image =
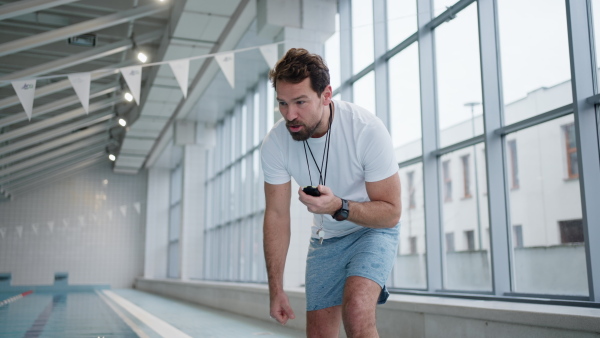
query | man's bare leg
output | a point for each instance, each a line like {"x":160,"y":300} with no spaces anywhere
{"x":324,"y":323}
{"x":358,"y":307}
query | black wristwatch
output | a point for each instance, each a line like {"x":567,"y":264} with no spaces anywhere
{"x":343,"y":212}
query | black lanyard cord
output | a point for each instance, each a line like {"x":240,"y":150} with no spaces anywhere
{"x":325,"y":159}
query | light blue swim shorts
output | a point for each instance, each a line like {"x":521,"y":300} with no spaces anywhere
{"x":368,"y":253}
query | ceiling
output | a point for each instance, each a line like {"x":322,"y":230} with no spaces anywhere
{"x":61,"y":138}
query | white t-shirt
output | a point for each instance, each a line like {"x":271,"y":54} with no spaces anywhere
{"x":360,"y":151}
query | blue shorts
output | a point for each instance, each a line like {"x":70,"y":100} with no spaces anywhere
{"x":368,"y":253}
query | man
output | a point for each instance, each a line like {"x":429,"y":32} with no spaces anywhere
{"x":357,"y":210}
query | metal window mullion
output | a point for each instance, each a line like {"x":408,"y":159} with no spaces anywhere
{"x":583,"y":82}
{"x":345,"y":11}
{"x":429,"y":125}
{"x":381,"y":66}
{"x":492,"y":115}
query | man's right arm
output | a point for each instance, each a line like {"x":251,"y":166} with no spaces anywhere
{"x":276,"y":241}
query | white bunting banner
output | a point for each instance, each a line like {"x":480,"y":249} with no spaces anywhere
{"x":138,"y":207}
{"x":269,"y":52}
{"x":81,"y":84}
{"x":109,"y":213}
{"x":51,"y":226}
{"x":123,"y":210}
{"x":34,"y":227}
{"x":181,"y":69}
{"x":20,"y":231}
{"x":133,"y":77}
{"x":2,"y":232}
{"x":227,"y":64}
{"x":25,"y":90}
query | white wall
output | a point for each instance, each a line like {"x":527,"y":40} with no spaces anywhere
{"x":90,"y":225}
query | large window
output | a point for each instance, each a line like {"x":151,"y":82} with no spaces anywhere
{"x":176,"y":181}
{"x":535,"y":57}
{"x":465,"y":222}
{"x":405,"y":103}
{"x":362,"y":34}
{"x":459,"y":77}
{"x":545,"y":206}
{"x":401,"y":21}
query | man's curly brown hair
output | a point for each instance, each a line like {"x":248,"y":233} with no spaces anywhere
{"x":298,"y":64}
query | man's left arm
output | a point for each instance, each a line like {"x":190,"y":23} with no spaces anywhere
{"x":382,"y":211}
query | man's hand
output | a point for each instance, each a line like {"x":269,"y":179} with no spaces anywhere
{"x":281,"y":310}
{"x":327,"y":203}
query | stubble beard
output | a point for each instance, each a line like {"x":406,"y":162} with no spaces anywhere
{"x":305,"y":133}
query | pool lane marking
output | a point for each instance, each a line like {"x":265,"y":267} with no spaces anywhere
{"x":126,"y":319}
{"x":15,"y":298}
{"x":158,"y":325}
{"x":38,"y":326}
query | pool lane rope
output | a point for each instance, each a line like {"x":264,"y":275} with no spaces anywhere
{"x":15,"y":298}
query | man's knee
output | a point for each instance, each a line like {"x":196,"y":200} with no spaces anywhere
{"x":360,"y":302}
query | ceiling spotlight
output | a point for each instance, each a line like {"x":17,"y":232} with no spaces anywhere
{"x":122,"y":122}
{"x":112,"y":157}
{"x":142,"y":57}
{"x":128,"y":97}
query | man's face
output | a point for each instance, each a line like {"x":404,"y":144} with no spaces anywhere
{"x":302,"y":109}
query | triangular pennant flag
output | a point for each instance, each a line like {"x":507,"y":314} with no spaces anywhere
{"x":20,"y":231}
{"x":2,"y":232}
{"x":227,"y":63}
{"x":81,"y":84}
{"x":269,"y":52}
{"x":35,"y":228}
{"x":123,"y":210}
{"x":181,"y":69}
{"x":51,"y":226}
{"x":133,"y":77}
{"x":25,"y":90}
{"x":109,"y":214}
{"x":138,"y":207}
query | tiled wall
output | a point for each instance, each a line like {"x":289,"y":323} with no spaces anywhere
{"x":90,"y":225}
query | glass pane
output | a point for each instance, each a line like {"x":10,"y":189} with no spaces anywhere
{"x":459,"y":77}
{"x":363,"y":48}
{"x":176,"y":180}
{"x":596,"y":19}
{"x":535,"y":57}
{"x":401,"y":20}
{"x":549,"y":249}
{"x":405,"y":103}
{"x":410,"y":270}
{"x":173,"y":265}
{"x":465,"y":220}
{"x":363,"y":91}
{"x":440,"y":6}
{"x":332,"y":55}
{"x":256,"y":113}
{"x":174,"y":222}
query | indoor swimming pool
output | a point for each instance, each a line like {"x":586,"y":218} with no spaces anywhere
{"x":122,"y":313}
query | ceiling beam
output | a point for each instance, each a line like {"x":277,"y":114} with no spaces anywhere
{"x":50,"y":165}
{"x":58,"y":104}
{"x":59,"y":174}
{"x":48,"y":146}
{"x":80,"y":28}
{"x":19,"y":8}
{"x":76,"y":59}
{"x":97,"y":141}
{"x":73,"y":114}
{"x":38,"y":138}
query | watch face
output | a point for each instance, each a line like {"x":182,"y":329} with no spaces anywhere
{"x":341,"y":215}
